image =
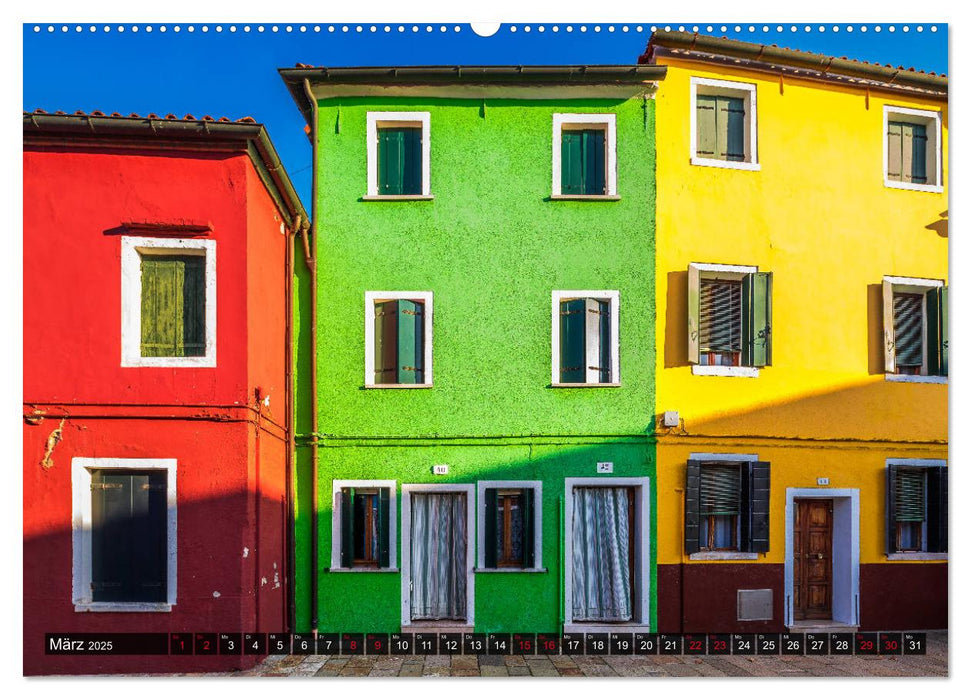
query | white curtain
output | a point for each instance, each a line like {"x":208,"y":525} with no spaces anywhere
{"x":601,"y":552}
{"x":438,"y":551}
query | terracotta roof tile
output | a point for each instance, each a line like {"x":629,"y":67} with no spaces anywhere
{"x":150,"y":115}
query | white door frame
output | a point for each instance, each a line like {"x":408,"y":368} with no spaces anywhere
{"x":846,"y":551}
{"x":641,"y":538}
{"x":406,"y":491}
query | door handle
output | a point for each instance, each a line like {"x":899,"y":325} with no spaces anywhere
{"x":819,"y":556}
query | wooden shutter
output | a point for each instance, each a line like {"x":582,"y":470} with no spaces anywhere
{"x":907,"y":152}
{"x":889,"y":351}
{"x":173,"y":306}
{"x":573,"y":341}
{"x":935,"y":300}
{"x":571,"y":162}
{"x":527,"y":505}
{"x":412,"y":166}
{"x":755,"y":507}
{"x":692,"y":506}
{"x":693,"y":314}
{"x":411,"y":342}
{"x":937,"y":509}
{"x":594,"y":180}
{"x":386,"y":342}
{"x":731,"y":128}
{"x":347,"y":528}
{"x":384,"y":527}
{"x":605,"y":346}
{"x":894,"y":152}
{"x":757,"y":319}
{"x":918,"y":162}
{"x":943,"y":337}
{"x":891,"y":500}
{"x":491,"y":513}
{"x":705,"y":107}
{"x":908,"y":330}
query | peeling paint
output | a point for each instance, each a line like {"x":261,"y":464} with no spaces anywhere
{"x":55,"y":437}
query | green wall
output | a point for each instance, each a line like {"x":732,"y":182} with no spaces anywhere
{"x":492,"y":247}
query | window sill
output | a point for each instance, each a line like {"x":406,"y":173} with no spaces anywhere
{"x":604,"y":627}
{"x":892,"y":184}
{"x":397,"y":197}
{"x":917,"y":556}
{"x":722,"y":371}
{"x":340,"y":570}
{"x":559,"y":385}
{"x":724,"y":556}
{"x":916,"y":378}
{"x":510,"y":571}
{"x":123,"y":607}
{"x":397,"y":386}
{"x":730,"y":164}
{"x":200,"y":361}
{"x":585,"y":197}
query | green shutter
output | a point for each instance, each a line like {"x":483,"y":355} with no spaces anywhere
{"x":936,"y":304}
{"x":693,"y":314}
{"x":386,"y":342}
{"x":384,"y":527}
{"x":942,"y":332}
{"x":347,"y":528}
{"x":705,"y":107}
{"x":891,"y":508}
{"x":571,"y":162}
{"x":918,"y":162}
{"x":491,"y":513}
{"x":937,"y":509}
{"x":755,"y":507}
{"x":757,"y":319}
{"x":399,"y":160}
{"x":411,"y":337}
{"x":529,"y":531}
{"x":730,"y":135}
{"x":910,"y":495}
{"x":604,"y":310}
{"x":894,"y":152}
{"x":594,"y":170}
{"x":582,"y":161}
{"x":573,"y":341}
{"x":173,"y":306}
{"x":692,"y":506}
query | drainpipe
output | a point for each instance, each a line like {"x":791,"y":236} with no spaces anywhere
{"x":310,"y":260}
{"x":291,"y":425}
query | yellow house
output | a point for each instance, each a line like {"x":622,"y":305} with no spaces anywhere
{"x":802,"y":340}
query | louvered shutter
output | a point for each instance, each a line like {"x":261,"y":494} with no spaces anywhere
{"x":411,"y":337}
{"x":909,"y":490}
{"x":894,"y":152}
{"x":491,"y":513}
{"x":705,"y":107}
{"x":573,"y":341}
{"x":571,"y":162}
{"x":347,"y":528}
{"x":719,"y":316}
{"x":390,"y":161}
{"x":935,"y":300}
{"x":908,"y":328}
{"x":757,"y":319}
{"x":384,"y":527}
{"x":943,"y":337}
{"x":594,"y":154}
{"x":692,"y":506}
{"x":756,"y":484}
{"x":731,"y":128}
{"x":891,"y":499}
{"x":529,"y":530}
{"x":386,"y":342}
{"x":937,"y":509}
{"x":693,"y":314}
{"x":412,"y":165}
{"x":918,"y":163}
{"x":889,"y":351}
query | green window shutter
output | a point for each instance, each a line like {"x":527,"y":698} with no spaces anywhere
{"x":594,"y":170}
{"x":173,"y":306}
{"x":604,"y":308}
{"x":891,"y":499}
{"x":692,"y":506}
{"x":937,"y":509}
{"x":757,"y":319}
{"x":693,"y":314}
{"x":907,"y":152}
{"x":935,"y":300}
{"x":391,"y":161}
{"x":386,"y":342}
{"x":194,"y":306}
{"x":529,"y":531}
{"x":889,"y":349}
{"x":347,"y":528}
{"x":412,"y":168}
{"x":705,"y":107}
{"x":491,"y":513}
{"x":755,"y":507}
{"x":918,"y":162}
{"x":573,"y":341}
{"x":720,"y":316}
{"x":730,"y":118}
{"x":908,"y":329}
{"x":384,"y":527}
{"x":894,"y":152}
{"x":910,"y":495}
{"x":571,"y":162}
{"x":943,"y":339}
{"x":411,"y":342}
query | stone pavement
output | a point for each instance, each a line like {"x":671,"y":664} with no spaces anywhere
{"x":935,"y":663}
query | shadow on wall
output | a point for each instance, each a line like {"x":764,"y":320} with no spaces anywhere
{"x":676,"y":321}
{"x":940,"y":226}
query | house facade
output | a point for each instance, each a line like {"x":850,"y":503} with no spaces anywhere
{"x":475,"y":443}
{"x":157,"y":284}
{"x":801,"y":291}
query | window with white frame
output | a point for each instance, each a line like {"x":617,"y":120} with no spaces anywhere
{"x":586,"y":347}
{"x":915,"y":329}
{"x":729,"y":319}
{"x":510,"y":524}
{"x":364,"y":533}
{"x":398,"y":155}
{"x":916,"y":506}
{"x":124,"y":534}
{"x":584,"y":156}
{"x":168,"y":300}
{"x":724,"y":124}
{"x":912,"y":149}
{"x":398,"y":339}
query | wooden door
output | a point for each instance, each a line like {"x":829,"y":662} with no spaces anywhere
{"x":812,"y":584}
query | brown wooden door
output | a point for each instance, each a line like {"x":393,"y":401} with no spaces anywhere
{"x":813,"y":560}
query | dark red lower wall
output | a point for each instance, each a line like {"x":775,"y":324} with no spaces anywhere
{"x":903,"y":596}
{"x":708,"y":602}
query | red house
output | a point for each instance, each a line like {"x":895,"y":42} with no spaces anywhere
{"x":158,"y":268}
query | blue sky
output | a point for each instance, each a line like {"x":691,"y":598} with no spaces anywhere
{"x":234,"y":74}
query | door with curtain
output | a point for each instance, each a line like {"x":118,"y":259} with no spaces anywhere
{"x":439,"y":543}
{"x":603,"y":554}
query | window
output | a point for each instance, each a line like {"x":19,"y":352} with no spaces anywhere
{"x":723,"y":124}
{"x":398,"y":339}
{"x":729,"y":319}
{"x":915,"y":329}
{"x":584,"y":156}
{"x":916,"y":506}
{"x":168,"y":302}
{"x":124,"y":535}
{"x":912,"y":149}
{"x":398,"y":153}
{"x":510,"y":524}
{"x":364,"y":528}
{"x":586,"y":338}
{"x":727,"y":505}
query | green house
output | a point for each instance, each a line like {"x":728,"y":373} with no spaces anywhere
{"x":475,"y":334}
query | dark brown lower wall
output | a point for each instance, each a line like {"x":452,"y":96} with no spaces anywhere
{"x":903,"y":596}
{"x":710,"y":596}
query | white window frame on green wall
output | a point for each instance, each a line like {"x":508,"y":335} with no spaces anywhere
{"x":612,"y":297}
{"x":727,"y":88}
{"x":370,"y":299}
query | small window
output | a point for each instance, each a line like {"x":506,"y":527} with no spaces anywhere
{"x":723,"y":124}
{"x":916,"y":508}
{"x":727,"y":506}
{"x":915,"y":327}
{"x":912,"y":157}
{"x":398,"y":339}
{"x":509,"y":528}
{"x":399,"y":154}
{"x":585,"y":338}
{"x":584,"y":156}
{"x":364,"y":525}
{"x":729,"y":318}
